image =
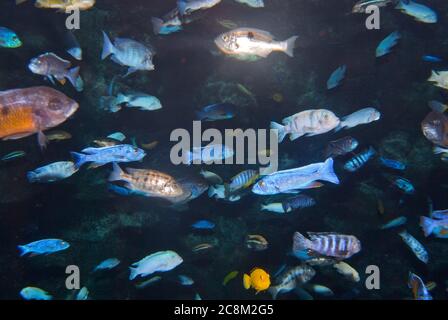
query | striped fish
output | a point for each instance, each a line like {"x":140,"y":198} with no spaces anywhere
{"x":416,"y":247}
{"x":243,"y":180}
{"x":357,"y":162}
{"x":327,"y":244}
{"x":299,"y":202}
{"x":290,"y":279}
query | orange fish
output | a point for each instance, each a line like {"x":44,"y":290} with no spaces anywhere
{"x":24,"y":112}
{"x":258,"y":279}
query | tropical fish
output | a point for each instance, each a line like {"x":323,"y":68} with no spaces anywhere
{"x":256,"y":242}
{"x":105,"y":155}
{"x":362,"y":5}
{"x":105,"y":142}
{"x":214,"y":112}
{"x":203,"y":224}
{"x":58,"y":135}
{"x":33,"y":293}
{"x":148,"y":282}
{"x":142,"y":101}
{"x":232,"y":275}
{"x":440,"y":214}
{"x":150,"y":146}
{"x":24,"y":112}
{"x":208,"y":154}
{"x":228,"y":24}
{"x":440,"y":78}
{"x":211,"y":177}
{"x":160,"y":261}
{"x":73,"y":47}
{"x":402,"y":184}
{"x":327,"y":244}
{"x":394,"y":223}
{"x":321,"y":261}
{"x":347,"y":271}
{"x":387,"y":44}
{"x":435,"y":128}
{"x":289,"y":181}
{"x":341,"y":147}
{"x":62,"y":5}
{"x":276,"y":207}
{"x":13,"y":155}
{"x":82,"y":294}
{"x":130,"y":53}
{"x":168,"y":24}
{"x":9,"y":39}
{"x":363,"y":116}
{"x":252,"y":3}
{"x":418,"y":11}
{"x":243,"y":180}
{"x":54,"y":68}
{"x":185,"y":280}
{"x":258,"y":279}
{"x":52,"y":172}
{"x":392,"y":164}
{"x":46,"y":246}
{"x":298,"y":202}
{"x":358,"y":161}
{"x":419,"y":290}
{"x":322,"y":290}
{"x":187,"y":7}
{"x":439,"y":228}
{"x":252,"y":44}
{"x":336,"y":77}
{"x":292,"y":278}
{"x":107,"y":264}
{"x":309,"y":123}
{"x":202,"y":247}
{"x":428,"y":58}
{"x":416,"y":247}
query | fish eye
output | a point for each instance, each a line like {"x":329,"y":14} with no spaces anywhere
{"x":55,"y":104}
{"x":225,"y":38}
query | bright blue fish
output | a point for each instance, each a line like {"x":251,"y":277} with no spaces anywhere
{"x":387,"y":44}
{"x":9,"y":39}
{"x":220,"y":111}
{"x":428,"y":58}
{"x":102,"y":156}
{"x":393,"y":164}
{"x":336,"y":77}
{"x":45,"y":246}
{"x":203,"y":224}
{"x":394,"y":223}
{"x":107,"y":264}
{"x":359,"y":160}
{"x":403,"y":184}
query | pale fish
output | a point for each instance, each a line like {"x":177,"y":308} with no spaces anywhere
{"x":252,"y":3}
{"x":53,"y":172}
{"x":32,"y":293}
{"x":141,"y":101}
{"x":211,"y":177}
{"x":188,"y":7}
{"x":160,"y":261}
{"x":419,"y":11}
{"x":394,"y":223}
{"x":336,"y":77}
{"x":440,"y":78}
{"x":416,"y":247}
{"x":347,"y":271}
{"x":322,"y":290}
{"x":276,"y":207}
{"x":361,"y":6}
{"x":363,"y":116}
{"x":387,"y":44}
{"x":213,"y":153}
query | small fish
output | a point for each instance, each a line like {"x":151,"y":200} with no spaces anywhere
{"x":9,"y":39}
{"x":357,"y":162}
{"x":33,"y":293}
{"x":105,"y":142}
{"x":46,"y":246}
{"x":341,"y":147}
{"x":214,"y":112}
{"x":203,"y":224}
{"x":362,"y":5}
{"x":209,"y":154}
{"x":197,"y":297}
{"x":13,"y":155}
{"x":211,"y":177}
{"x":141,"y":101}
{"x":433,"y":59}
{"x":168,"y":24}
{"x":416,"y":247}
{"x":243,"y":180}
{"x":150,"y":146}
{"x":392,"y":164}
{"x":327,"y":244}
{"x":439,"y":228}
{"x":321,"y":261}
{"x":229,"y":277}
{"x":256,"y":242}
{"x":292,"y":278}
{"x":105,"y":155}
{"x":299,"y":202}
{"x":322,"y":290}
{"x":185,"y":280}
{"x":402,"y":184}
{"x":148,"y":282}
{"x":276,"y":207}
{"x":336,"y":77}
{"x":58,"y":135}
{"x":63,"y":5}
{"x":228,"y":24}
{"x":160,"y":261}
{"x":54,"y":68}
{"x":440,"y":78}
{"x":83,"y":294}
{"x":418,"y":11}
{"x":394,"y":223}
{"x":419,"y":290}
{"x":202,"y":247}
{"x":72,"y":45}
{"x":119,"y":136}
{"x":188,"y":7}
{"x":55,"y":171}
{"x":347,"y":271}
{"x":252,"y":3}
{"x":360,"y":117}
{"x":258,"y":279}
{"x":107,"y":264}
{"x":387,"y":44}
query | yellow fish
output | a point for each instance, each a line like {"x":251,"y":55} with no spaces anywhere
{"x":258,"y":279}
{"x":232,"y":275}
{"x":62,"y":5}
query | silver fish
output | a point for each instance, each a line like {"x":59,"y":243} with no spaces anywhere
{"x":416,"y":247}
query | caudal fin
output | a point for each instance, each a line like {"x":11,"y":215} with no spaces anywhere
{"x":31,"y":176}
{"x":274,"y":291}
{"x":427,"y":225}
{"x":116,"y":174}
{"x":108,"y":47}
{"x":299,"y":242}
{"x":182,"y":7}
{"x":157,"y":25}
{"x":133,"y":274}
{"x":23,"y":250}
{"x":290,"y":44}
{"x":72,"y":76}
{"x":327,"y":172}
{"x":280,"y":129}
{"x":78,"y":158}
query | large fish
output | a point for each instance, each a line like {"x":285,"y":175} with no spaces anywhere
{"x":252,"y":44}
{"x":289,"y":181}
{"x":309,"y":123}
{"x":161,"y":261}
{"x":24,"y":112}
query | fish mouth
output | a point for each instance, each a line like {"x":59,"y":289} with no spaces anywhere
{"x":73,"y":108}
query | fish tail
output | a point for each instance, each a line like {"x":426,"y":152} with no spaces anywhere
{"x":23,"y":250}
{"x":434,"y":76}
{"x":300,"y":242}
{"x":281,"y":130}
{"x":439,"y":150}
{"x":274,"y":292}
{"x":340,"y":126}
{"x":247,"y":282}
{"x":72,"y":76}
{"x":108,"y":47}
{"x":427,"y":225}
{"x":290,"y":44}
{"x":31,"y":176}
{"x":116,"y":174}
{"x":78,"y":158}
{"x":157,"y":25}
{"x":109,"y":103}
{"x":327,"y":172}
{"x":182,"y":7}
{"x":133,"y":274}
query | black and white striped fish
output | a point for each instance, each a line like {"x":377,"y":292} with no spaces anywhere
{"x":359,"y":160}
{"x":327,"y":244}
{"x":291,"y":278}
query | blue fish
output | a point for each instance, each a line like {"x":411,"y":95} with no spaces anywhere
{"x":393,"y":164}
{"x":403,"y":184}
{"x":219,"y":111}
{"x":107,"y":264}
{"x":387,"y":44}
{"x":359,"y":160}
{"x":394,"y":223}
{"x":336,"y":77}
{"x":45,"y":246}
{"x":434,"y":59}
{"x":9,"y":39}
{"x":33,"y":293}
{"x":203,"y":224}
{"x":102,"y":156}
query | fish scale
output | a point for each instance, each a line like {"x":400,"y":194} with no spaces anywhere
{"x":16,"y":121}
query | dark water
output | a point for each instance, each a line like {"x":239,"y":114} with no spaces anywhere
{"x":189,"y":75}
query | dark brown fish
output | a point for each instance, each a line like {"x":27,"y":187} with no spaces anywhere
{"x":435,"y":128}
{"x":24,"y":112}
{"x":341,"y":147}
